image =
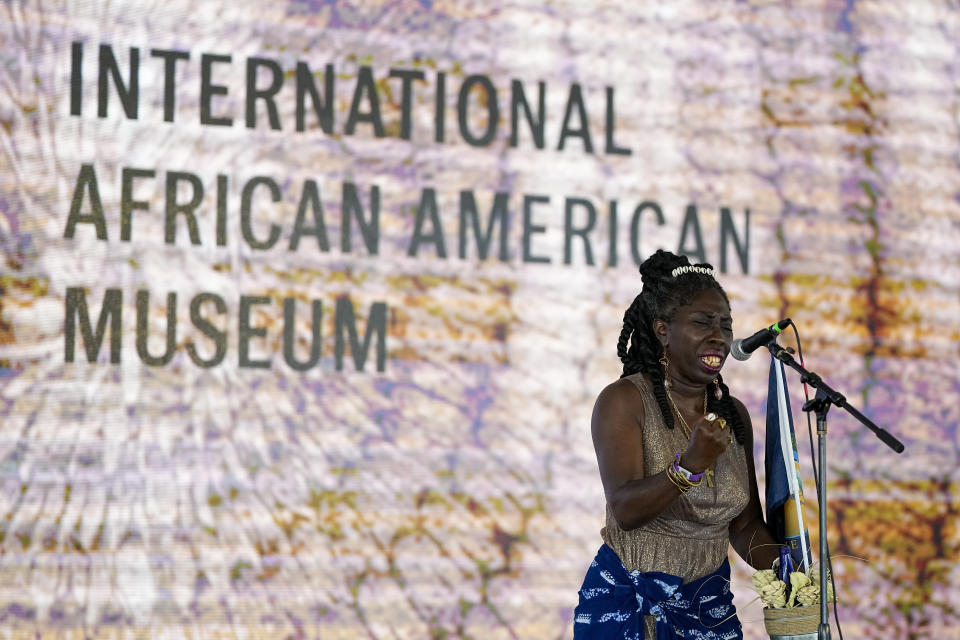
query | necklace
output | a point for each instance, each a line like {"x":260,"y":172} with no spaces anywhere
{"x":676,"y":409}
{"x":686,"y":428}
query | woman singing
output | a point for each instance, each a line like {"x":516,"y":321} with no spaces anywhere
{"x":675,"y":452}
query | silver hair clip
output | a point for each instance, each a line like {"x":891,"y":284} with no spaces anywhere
{"x":679,"y":271}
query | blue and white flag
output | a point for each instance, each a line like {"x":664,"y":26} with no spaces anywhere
{"x":785,"y":513}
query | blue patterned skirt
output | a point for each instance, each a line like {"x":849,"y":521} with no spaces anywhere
{"x":613,"y":602}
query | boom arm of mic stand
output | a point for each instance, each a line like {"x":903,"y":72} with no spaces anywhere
{"x":833,"y":397}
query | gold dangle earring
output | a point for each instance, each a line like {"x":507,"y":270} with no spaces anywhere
{"x":717,"y":393}
{"x":666,"y":364}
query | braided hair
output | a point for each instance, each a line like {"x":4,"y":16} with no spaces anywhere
{"x":640,"y":351}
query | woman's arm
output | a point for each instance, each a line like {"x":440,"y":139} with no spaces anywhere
{"x":749,"y":533}
{"x":637,"y":495}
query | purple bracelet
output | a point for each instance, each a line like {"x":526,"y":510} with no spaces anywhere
{"x":692,"y":477}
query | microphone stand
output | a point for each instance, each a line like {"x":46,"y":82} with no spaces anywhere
{"x":820,"y":404}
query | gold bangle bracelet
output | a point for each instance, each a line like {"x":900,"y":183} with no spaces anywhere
{"x":674,"y":483}
{"x":672,"y":480}
{"x":682,"y":479}
{"x":678,"y":480}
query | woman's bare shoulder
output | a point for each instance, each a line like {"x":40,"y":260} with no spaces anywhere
{"x":618,"y":401}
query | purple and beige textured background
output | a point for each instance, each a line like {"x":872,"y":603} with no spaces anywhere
{"x":455,"y":494}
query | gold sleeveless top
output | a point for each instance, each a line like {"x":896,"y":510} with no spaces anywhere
{"x":689,"y":538}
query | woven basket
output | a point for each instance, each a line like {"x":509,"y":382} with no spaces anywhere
{"x":792,"y":622}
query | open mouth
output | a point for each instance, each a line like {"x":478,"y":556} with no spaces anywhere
{"x":711,"y":361}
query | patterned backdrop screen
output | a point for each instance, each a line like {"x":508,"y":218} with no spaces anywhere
{"x":305,"y":304}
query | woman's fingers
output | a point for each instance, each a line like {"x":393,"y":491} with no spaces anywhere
{"x":720,"y":426}
{"x":712,"y":417}
{"x":715,"y":423}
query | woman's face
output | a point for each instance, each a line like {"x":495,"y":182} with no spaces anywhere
{"x":698,"y":338}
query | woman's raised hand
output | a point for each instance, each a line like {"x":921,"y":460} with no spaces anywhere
{"x":708,"y":440}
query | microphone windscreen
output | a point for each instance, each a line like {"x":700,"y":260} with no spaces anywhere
{"x":737,"y":351}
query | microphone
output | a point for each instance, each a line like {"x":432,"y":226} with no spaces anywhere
{"x":743,"y":347}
